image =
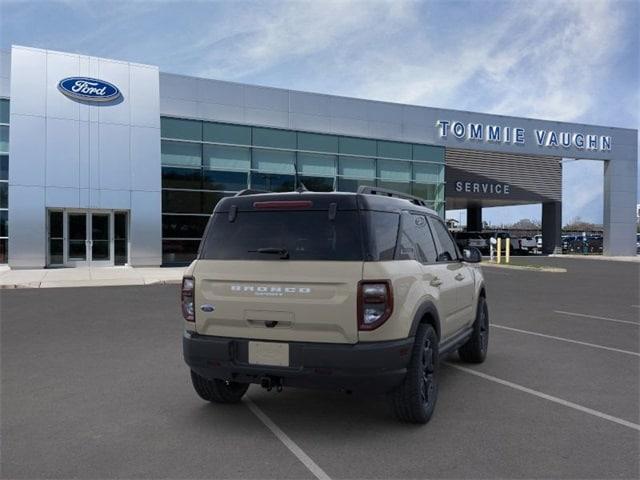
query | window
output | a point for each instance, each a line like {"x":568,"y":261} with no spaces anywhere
{"x":271,"y":137}
{"x":427,"y":191}
{"x":4,"y":177}
{"x":205,"y":161}
{"x":4,"y":167}
{"x":305,"y":235}
{"x":173,"y":177}
{"x":416,"y":242}
{"x":223,"y":133}
{"x":4,"y":257}
{"x":394,"y":150}
{"x":180,"y":153}
{"x":316,"y":164}
{"x":4,"y":232}
{"x":182,"y":129}
{"x":317,"y":143}
{"x":4,"y":139}
{"x":4,"y":223}
{"x":351,"y":185}
{"x":273,"y":161}
{"x":396,"y":186}
{"x":447,"y":250}
{"x":4,"y":195}
{"x":428,"y":153}
{"x":382,"y":234}
{"x":394,"y":171}
{"x":358,"y":146}
{"x":317,"y":184}
{"x":176,"y":201}
{"x":120,"y":242}
{"x":272,"y":183}
{"x":210,"y":200}
{"x":357,"y":167}
{"x":428,"y":173}
{"x":184,"y":226}
{"x":179,"y":252}
{"x":227,"y":158}
{"x":228,"y":181}
{"x":4,"y":111}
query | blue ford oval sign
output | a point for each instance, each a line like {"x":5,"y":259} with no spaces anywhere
{"x":89,"y":89}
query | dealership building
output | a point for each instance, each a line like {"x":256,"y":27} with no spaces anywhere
{"x":106,"y":162}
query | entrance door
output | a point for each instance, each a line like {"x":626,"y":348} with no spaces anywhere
{"x":77,"y":239}
{"x":83,"y":238}
{"x":100,"y":240}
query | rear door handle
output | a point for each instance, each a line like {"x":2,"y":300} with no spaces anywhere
{"x":436,"y":282}
{"x":459,"y":277}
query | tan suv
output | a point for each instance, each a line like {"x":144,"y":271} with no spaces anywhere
{"x":351,"y":291}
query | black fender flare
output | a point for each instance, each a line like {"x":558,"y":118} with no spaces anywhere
{"x":426,"y":308}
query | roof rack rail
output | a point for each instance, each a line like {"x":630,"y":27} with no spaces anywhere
{"x":366,"y":189}
{"x":249,"y":191}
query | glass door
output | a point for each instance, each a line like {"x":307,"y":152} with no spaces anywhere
{"x":87,"y":238}
{"x":77,"y":239}
{"x":100,"y":241}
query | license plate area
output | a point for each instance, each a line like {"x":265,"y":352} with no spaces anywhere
{"x":269,"y":353}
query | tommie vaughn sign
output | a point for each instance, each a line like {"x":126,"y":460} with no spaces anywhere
{"x":515,"y":135}
{"x":88,"y":89}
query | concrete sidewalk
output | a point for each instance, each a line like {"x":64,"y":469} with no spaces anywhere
{"x":88,"y":277}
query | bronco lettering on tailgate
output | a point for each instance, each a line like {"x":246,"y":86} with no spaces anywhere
{"x":269,"y":291}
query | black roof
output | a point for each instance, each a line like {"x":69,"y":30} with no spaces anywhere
{"x":322,"y":200}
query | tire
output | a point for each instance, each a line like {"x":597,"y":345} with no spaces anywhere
{"x":218,"y":391}
{"x":415,"y":399}
{"x":475,"y":350}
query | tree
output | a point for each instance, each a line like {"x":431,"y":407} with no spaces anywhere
{"x":578,"y":225}
{"x":526,"y":224}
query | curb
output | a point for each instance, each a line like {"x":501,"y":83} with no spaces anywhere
{"x":90,"y":283}
{"x":522,"y":267}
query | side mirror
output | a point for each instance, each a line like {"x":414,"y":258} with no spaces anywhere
{"x":471,"y":255}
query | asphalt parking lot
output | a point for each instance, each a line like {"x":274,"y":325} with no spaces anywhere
{"x":94,"y":386}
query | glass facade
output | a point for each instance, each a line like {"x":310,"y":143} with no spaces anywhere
{"x":203,"y":162}
{"x":4,"y":180}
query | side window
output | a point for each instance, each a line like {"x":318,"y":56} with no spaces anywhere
{"x":447,"y":251}
{"x":415,"y":241}
{"x":383,"y":233}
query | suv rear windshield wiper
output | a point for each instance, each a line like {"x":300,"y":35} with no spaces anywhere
{"x":283,"y":252}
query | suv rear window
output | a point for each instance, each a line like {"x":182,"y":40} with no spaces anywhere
{"x":303,"y":235}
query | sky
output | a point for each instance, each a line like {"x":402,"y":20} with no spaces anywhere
{"x":574,"y":61}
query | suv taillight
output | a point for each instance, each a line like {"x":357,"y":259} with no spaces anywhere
{"x":188,"y":311}
{"x":375,"y":303}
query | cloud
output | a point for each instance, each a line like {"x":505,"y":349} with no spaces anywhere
{"x":575,"y":60}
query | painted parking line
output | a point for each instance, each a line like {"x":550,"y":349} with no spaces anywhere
{"x":608,"y":319}
{"x":551,"y":398}
{"x":563,"y":339}
{"x":290,"y":444}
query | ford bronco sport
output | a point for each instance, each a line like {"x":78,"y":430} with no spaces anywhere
{"x":351,"y":291}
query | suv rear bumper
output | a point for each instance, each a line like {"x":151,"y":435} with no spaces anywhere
{"x":371,"y":367}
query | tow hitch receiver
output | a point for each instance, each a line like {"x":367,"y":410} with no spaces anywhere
{"x":270,"y":382}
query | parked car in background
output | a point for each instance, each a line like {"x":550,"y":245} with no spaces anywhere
{"x":582,"y":244}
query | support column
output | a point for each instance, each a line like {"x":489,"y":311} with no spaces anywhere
{"x":619,"y":213}
{"x":474,"y":219}
{"x":552,"y":227}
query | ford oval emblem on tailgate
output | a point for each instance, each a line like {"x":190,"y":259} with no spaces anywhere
{"x":207,"y":308}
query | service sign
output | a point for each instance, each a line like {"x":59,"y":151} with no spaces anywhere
{"x":88,"y":89}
